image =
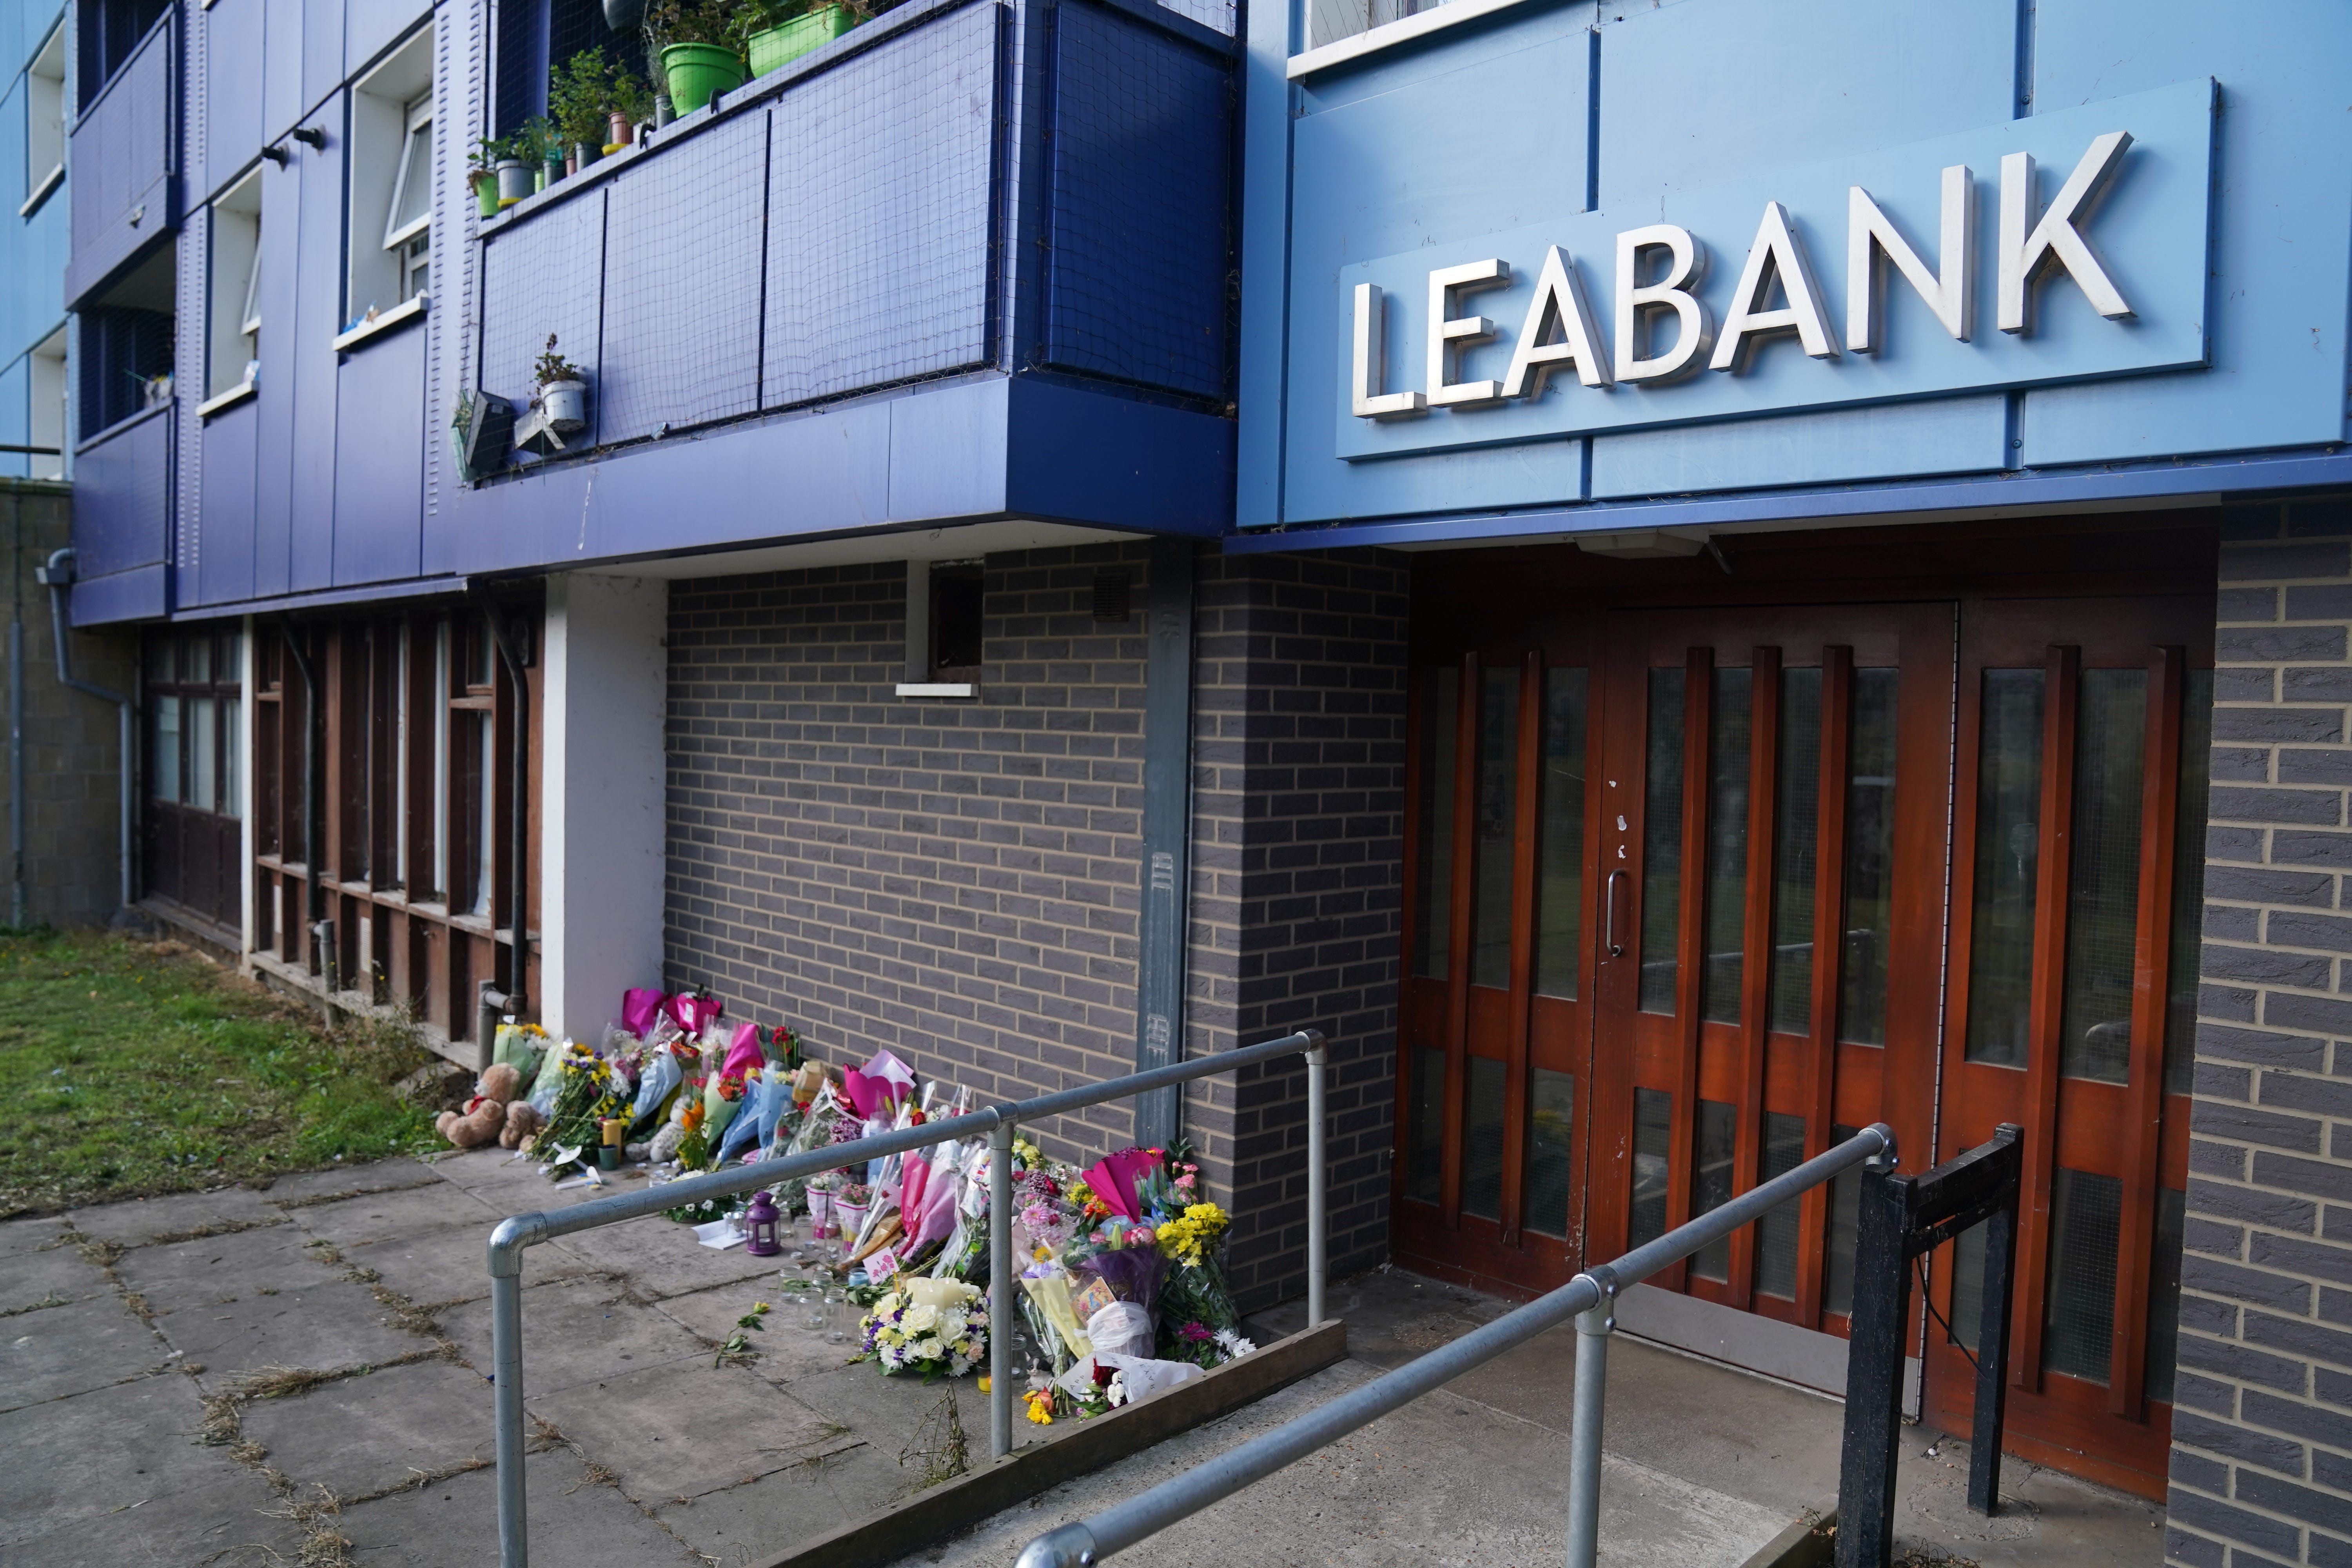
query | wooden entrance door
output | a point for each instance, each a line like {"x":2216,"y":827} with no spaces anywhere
{"x":1692,"y":891}
{"x":1774,"y":802}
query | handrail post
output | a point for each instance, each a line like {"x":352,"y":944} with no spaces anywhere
{"x":1001,"y":1307}
{"x":1593,"y":1328}
{"x":1318,"y":1176}
{"x":506,"y":1358}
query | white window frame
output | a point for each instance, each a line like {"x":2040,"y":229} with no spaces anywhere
{"x":45,"y":121}
{"x":401,"y":241}
{"x":233,"y":299}
{"x":390,"y":110}
{"x":51,"y":401}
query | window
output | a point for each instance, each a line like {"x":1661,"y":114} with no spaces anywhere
{"x":943,"y":629}
{"x":112,"y":32}
{"x":125,"y":346}
{"x":45,"y":122}
{"x":391,"y":248}
{"x":48,"y":411}
{"x":233,"y":340}
{"x":195,"y":769}
{"x":407,"y":230}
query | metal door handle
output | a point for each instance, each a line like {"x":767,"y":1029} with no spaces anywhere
{"x":1609,"y":897}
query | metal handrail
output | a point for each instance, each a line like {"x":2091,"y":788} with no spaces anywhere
{"x":519,"y":1231}
{"x":1586,"y":1299}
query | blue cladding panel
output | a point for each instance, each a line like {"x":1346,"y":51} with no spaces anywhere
{"x":15,"y":421}
{"x":2282,"y":234}
{"x":380,"y":460}
{"x":138,"y":593}
{"x":1938,"y":435}
{"x":1707,"y":91}
{"x":1139,"y":257}
{"x":318,"y":300}
{"x":370,"y":25}
{"x":232,"y":127}
{"x":682,"y":284}
{"x":946,"y":451}
{"x":879,"y":234}
{"x":540,"y":277}
{"x":282,"y":67}
{"x":121,"y":166}
{"x":224,"y":553}
{"x":122,"y":489}
{"x":1089,"y":457}
{"x":322,"y":50}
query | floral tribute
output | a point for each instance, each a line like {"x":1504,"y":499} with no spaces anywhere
{"x":929,"y":1326}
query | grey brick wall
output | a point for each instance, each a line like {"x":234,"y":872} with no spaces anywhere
{"x":71,"y":741}
{"x":957,"y":880}
{"x":2261,"y":1457}
{"x":1298,"y":824}
{"x":952,"y":879}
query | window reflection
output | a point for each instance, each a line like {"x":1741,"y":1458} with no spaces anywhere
{"x":2007,"y":860}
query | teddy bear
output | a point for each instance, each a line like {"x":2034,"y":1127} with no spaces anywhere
{"x":522,"y":1124}
{"x":486,"y":1115}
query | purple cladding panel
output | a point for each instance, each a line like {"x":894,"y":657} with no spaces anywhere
{"x":879,"y":231}
{"x":322,"y":48}
{"x":222,"y":571}
{"x":318,"y":302}
{"x":380,"y":459}
{"x":232,"y":109}
{"x":273,"y":459}
{"x":120,"y":166}
{"x":543,"y":276}
{"x":682,"y":284}
{"x":371,"y":26}
{"x":122,"y":493}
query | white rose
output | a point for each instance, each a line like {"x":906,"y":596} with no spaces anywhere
{"x":920,"y":1318}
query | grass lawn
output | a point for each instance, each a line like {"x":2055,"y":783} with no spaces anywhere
{"x":131,"y":1066}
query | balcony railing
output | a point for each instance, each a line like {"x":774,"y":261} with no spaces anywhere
{"x":891,"y":209}
{"x":121,"y":169}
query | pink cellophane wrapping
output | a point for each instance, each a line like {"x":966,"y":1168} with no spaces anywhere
{"x":639,"y":1008}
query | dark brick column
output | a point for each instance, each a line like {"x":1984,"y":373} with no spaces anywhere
{"x":2262,"y":1428}
{"x":1298,"y":860}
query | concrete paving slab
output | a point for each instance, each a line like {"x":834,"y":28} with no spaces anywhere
{"x":140,"y":1221}
{"x":228,"y":1524}
{"x":69,"y":1460}
{"x":19,"y":1236}
{"x":682,"y":1431}
{"x":575,"y":1332}
{"x":449,"y":1265}
{"x":661,"y":1256}
{"x":388,"y":1217}
{"x":324,"y":1326}
{"x":515,"y":1186}
{"x":455,"y":1523}
{"x":372,"y":1176}
{"x":217,"y":1270}
{"x":365,"y":1436}
{"x":886,"y":1411}
{"x":788,"y":1350}
{"x":2045,"y":1516}
{"x":752,"y":1524}
{"x":73,"y":1349}
{"x":61,"y":1274}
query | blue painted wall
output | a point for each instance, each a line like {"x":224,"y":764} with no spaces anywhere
{"x":1565,"y":120}
{"x":32,"y":248}
{"x":809,"y":312}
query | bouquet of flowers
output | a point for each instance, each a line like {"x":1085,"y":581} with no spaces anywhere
{"x":1195,"y":1293}
{"x":930,"y":1326}
{"x":588,"y":1092}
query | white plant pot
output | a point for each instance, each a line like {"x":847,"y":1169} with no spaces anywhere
{"x":514,"y":179}
{"x":565,"y":404}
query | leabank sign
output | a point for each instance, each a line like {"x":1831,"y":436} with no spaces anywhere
{"x":2059,"y":247}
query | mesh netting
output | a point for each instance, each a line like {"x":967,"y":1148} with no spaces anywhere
{"x":879,"y":194}
{"x":538,"y":279}
{"x":682,"y":284}
{"x":1137,"y":287}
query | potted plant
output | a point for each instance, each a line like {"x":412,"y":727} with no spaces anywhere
{"x":701,"y":48}
{"x":542,"y":149}
{"x":562,"y":395}
{"x":576,"y":94}
{"x":790,"y":28}
{"x":481,"y":173}
{"x":514,"y":169}
{"x":628,"y":104}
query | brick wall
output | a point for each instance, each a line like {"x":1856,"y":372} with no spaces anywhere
{"x":71,"y":741}
{"x":957,"y":880}
{"x":1298,"y":825}
{"x":954,"y":880}
{"x":2262,"y":1467}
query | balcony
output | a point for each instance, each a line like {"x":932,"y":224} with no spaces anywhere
{"x":1011,"y":220}
{"x":123,"y":516}
{"x":121,"y":166}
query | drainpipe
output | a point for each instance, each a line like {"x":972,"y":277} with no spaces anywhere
{"x":518,"y":817}
{"x":314,"y":884}
{"x":17,"y":906}
{"x":58,"y":577}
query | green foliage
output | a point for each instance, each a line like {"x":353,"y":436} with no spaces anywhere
{"x":585,"y":89}
{"x":130,"y":1068}
{"x":553,"y":367}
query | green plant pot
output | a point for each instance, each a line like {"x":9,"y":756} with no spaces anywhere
{"x":700,"y":72}
{"x":486,"y":198}
{"x":782,"y":46}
